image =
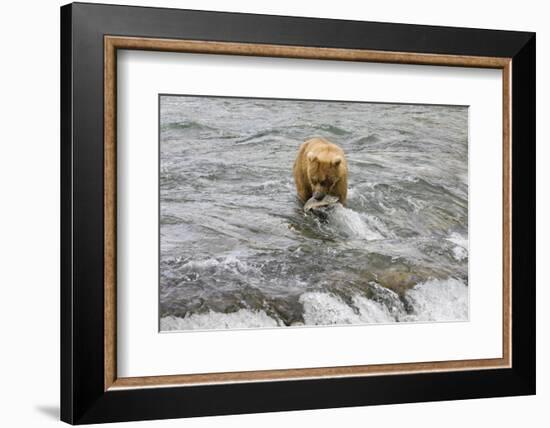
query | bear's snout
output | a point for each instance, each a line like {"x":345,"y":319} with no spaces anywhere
{"x":319,"y":195}
{"x":320,"y":169}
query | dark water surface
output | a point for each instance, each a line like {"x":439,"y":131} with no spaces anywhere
{"x":238,"y":251}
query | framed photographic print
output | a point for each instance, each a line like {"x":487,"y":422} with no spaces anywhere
{"x":265,"y":213}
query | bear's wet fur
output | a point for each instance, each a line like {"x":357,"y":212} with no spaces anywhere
{"x":321,"y":169}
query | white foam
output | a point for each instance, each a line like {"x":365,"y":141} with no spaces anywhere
{"x":373,"y":311}
{"x":432,"y":301}
{"x":438,"y":300}
{"x":326,"y":308}
{"x":352,"y":193}
{"x":460,"y":251}
{"x":243,"y":318}
{"x":353,"y":224}
{"x":230,"y":262}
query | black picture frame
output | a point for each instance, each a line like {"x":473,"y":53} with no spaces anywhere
{"x":83,"y":398}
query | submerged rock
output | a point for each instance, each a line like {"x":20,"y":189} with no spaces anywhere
{"x":400,"y":281}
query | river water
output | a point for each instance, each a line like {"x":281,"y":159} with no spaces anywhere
{"x":237,"y":250}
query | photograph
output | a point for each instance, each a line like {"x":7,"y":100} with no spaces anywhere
{"x":291,"y":212}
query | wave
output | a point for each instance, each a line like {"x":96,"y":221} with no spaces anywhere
{"x":335,"y":130}
{"x":243,"y":318}
{"x":230,"y":263}
{"x":460,"y":250}
{"x":430,"y":301}
{"x":371,"y":138}
{"x":188,"y":124}
{"x":438,"y":300}
{"x":258,"y":136}
{"x":282,"y":134}
{"x":433,"y":300}
{"x":326,"y":308}
{"x":355,"y":225}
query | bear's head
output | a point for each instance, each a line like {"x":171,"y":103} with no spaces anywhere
{"x":323,"y":171}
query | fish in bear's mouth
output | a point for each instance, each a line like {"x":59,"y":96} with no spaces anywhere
{"x":314,"y":203}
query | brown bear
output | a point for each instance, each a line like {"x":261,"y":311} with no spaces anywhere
{"x":321,"y":169}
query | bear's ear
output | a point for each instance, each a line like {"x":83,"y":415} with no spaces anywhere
{"x":336,"y":161}
{"x":311,"y":156}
